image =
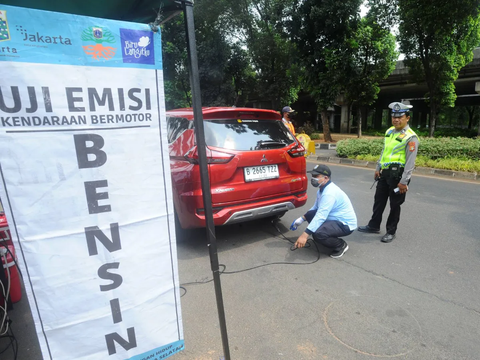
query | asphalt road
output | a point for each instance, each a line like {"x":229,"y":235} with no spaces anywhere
{"x":415,"y":298}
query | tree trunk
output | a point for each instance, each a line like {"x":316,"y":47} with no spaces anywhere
{"x":327,"y":137}
{"x":359,"y":122}
{"x":433,"y":119}
{"x":349,"y":120}
{"x":471,"y":113}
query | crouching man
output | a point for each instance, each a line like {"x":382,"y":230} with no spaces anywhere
{"x":331,"y":217}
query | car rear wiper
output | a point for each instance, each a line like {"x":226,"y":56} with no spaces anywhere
{"x":262,"y":144}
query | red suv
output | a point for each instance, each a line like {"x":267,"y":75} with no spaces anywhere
{"x":256,"y":166}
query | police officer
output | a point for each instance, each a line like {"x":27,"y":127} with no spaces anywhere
{"x":393,"y":171}
{"x":287,"y":120}
{"x":330,"y":217}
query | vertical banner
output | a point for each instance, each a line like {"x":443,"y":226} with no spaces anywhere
{"x":85,"y":182}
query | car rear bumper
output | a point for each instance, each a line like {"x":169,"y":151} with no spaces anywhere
{"x":257,"y":213}
{"x":231,"y":214}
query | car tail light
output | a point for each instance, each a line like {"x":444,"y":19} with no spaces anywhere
{"x":297,"y":151}
{"x":213,"y":156}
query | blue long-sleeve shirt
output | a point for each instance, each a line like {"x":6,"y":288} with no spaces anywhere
{"x":332,"y":204}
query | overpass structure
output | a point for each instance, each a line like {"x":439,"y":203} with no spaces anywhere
{"x":399,"y":86}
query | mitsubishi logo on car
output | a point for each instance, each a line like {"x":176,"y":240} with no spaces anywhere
{"x":264,"y":159}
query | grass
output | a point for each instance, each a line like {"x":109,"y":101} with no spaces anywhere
{"x":455,"y":164}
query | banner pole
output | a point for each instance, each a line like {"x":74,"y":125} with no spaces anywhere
{"x":202,"y":154}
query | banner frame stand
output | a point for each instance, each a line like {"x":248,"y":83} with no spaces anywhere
{"x":204,"y":177}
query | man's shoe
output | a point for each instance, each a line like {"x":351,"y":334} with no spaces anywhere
{"x":339,"y":253}
{"x":368,"y":229}
{"x":388,"y":238}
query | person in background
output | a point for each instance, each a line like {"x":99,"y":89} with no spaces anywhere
{"x":330,"y":217}
{"x":393,"y":172}
{"x":287,"y":120}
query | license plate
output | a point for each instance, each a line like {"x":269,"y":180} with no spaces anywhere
{"x":255,"y":173}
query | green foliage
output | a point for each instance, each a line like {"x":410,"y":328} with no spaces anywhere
{"x":370,"y":158}
{"x":177,"y":82}
{"x":269,"y":50}
{"x":437,"y":41}
{"x":449,"y":164}
{"x":242,"y":75}
{"x":315,"y":136}
{"x":319,"y":29}
{"x":374,"y":132}
{"x":449,"y":132}
{"x":370,"y":58}
{"x":353,"y":147}
{"x":424,"y":132}
{"x":307,"y":128}
{"x":261,"y":26}
{"x":462,"y":148}
{"x":430,"y":148}
{"x":385,"y":12}
{"x":226,"y":74}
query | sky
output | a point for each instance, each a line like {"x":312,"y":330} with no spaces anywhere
{"x":363,"y":10}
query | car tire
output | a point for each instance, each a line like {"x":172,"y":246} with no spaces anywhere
{"x":179,"y":231}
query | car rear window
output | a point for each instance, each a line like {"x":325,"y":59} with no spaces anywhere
{"x":236,"y":134}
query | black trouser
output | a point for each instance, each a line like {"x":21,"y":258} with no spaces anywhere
{"x":328,"y":233}
{"x":385,"y":186}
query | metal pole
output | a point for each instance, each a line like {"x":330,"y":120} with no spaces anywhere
{"x":202,"y":155}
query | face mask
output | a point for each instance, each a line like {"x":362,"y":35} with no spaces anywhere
{"x":316,"y":183}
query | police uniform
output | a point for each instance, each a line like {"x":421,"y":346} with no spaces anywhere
{"x":395,"y":166}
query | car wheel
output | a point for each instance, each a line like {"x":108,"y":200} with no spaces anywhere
{"x":179,"y":231}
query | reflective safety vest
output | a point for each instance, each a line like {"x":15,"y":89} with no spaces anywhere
{"x":289,"y":126}
{"x":394,"y":150}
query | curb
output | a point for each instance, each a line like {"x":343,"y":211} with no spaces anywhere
{"x":325,"y":146}
{"x":418,"y":170}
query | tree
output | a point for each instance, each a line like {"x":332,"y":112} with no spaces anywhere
{"x":242,"y":75}
{"x":384,"y":12}
{"x":224,"y":68}
{"x":319,"y":29}
{"x":369,"y":59}
{"x":472,"y":112}
{"x":175,"y":69}
{"x":437,"y":38}
{"x":261,"y":27}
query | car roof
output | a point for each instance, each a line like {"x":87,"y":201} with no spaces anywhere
{"x":217,"y":112}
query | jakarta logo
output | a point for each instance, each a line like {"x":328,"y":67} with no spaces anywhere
{"x":4,"y":32}
{"x":99,"y":35}
{"x":137,"y":46}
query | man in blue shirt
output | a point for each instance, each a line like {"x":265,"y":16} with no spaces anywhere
{"x":330,"y":217}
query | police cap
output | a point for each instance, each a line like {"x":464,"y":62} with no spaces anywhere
{"x":399,"y":109}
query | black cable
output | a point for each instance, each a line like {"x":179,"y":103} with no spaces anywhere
{"x":15,"y":347}
{"x":307,"y":245}
{"x":13,"y":341}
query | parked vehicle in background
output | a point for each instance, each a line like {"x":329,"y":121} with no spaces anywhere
{"x":256,"y":166}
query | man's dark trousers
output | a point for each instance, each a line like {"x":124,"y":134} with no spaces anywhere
{"x":328,"y":234}
{"x":385,"y":191}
